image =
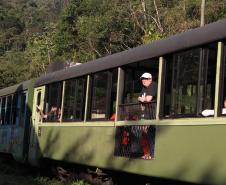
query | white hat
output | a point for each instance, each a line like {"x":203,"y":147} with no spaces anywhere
{"x":146,"y":75}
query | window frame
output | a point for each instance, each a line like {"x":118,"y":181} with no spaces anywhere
{"x":82,"y":109}
{"x":202,"y":75}
{"x":108,"y":95}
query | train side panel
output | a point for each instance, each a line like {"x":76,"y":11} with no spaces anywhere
{"x":187,"y":153}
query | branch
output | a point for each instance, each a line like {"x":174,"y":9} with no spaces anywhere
{"x":158,"y":23}
{"x":92,"y":47}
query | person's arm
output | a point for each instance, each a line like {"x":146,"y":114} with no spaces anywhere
{"x":141,"y":98}
{"x":151,"y":93}
{"x":148,"y":98}
{"x":41,"y":112}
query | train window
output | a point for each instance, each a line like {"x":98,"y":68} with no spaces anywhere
{"x":3,"y":110}
{"x":74,"y":99}
{"x":52,"y":108}
{"x":15,"y":113}
{"x":130,"y":108}
{"x":190,"y":82}
{"x":0,"y":111}
{"x":39,"y":98}
{"x":8,"y":110}
{"x":222,"y":108}
{"x":22,"y":107}
{"x":103,"y":95}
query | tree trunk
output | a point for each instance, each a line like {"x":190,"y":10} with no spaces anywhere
{"x":202,"y":22}
{"x":143,"y":4}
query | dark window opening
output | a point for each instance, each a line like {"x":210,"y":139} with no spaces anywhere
{"x":222,"y":103}
{"x":23,"y":108}
{"x":39,"y":98}
{"x":130,"y":108}
{"x":103,"y":95}
{"x":52,"y":108}
{"x":74,"y":99}
{"x":190,"y":82}
{"x":0,"y":111}
{"x":8,"y":110}
{"x":3,"y":110}
{"x":15,"y":109}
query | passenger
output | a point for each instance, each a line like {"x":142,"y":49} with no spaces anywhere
{"x":210,"y":112}
{"x":53,"y":115}
{"x":148,"y":94}
{"x":149,"y":89}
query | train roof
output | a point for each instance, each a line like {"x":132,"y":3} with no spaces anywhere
{"x":15,"y":88}
{"x":192,"y":38}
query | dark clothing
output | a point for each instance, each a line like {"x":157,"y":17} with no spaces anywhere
{"x":149,"y":109}
{"x":150,"y":90}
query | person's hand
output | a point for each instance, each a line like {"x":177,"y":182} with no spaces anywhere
{"x":141,"y":98}
{"x":38,"y":108}
{"x":53,"y":109}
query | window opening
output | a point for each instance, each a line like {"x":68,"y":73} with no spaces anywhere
{"x":8,"y":110}
{"x":74,"y":99}
{"x":132,"y":108}
{"x":190,"y":82}
{"x":103,"y":95}
{"x":52,"y":108}
{"x":3,"y":110}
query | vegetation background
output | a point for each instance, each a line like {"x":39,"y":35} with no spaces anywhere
{"x":35,"y":33}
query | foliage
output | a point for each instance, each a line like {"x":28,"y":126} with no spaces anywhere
{"x":34,"y":34}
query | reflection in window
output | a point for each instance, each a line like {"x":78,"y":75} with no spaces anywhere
{"x":103,"y":96}
{"x":52,"y":107}
{"x":190,"y":82}
{"x":74,"y":99}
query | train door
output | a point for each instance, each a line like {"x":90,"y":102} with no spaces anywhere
{"x":37,"y":112}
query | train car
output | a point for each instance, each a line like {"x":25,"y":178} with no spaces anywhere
{"x":15,"y":112}
{"x":90,"y":114}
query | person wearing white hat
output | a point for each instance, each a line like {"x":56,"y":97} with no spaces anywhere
{"x":149,"y":89}
{"x":148,"y":94}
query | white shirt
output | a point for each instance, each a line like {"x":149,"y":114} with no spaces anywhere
{"x":210,"y":112}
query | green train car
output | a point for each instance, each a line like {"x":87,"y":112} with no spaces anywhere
{"x":15,"y":112}
{"x":89,"y":114}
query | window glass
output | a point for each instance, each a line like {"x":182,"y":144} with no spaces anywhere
{"x":15,"y":109}
{"x":223,"y":93}
{"x":103,"y":95}
{"x":74,"y":99}
{"x":22,"y":108}
{"x":3,"y":104}
{"x":8,"y":110}
{"x":208,"y":78}
{"x":190,"y":82}
{"x":0,"y":111}
{"x":52,"y":109}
